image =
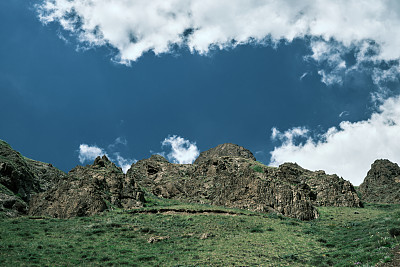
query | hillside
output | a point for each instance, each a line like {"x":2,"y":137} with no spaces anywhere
{"x":225,"y":209}
{"x":170,"y":233}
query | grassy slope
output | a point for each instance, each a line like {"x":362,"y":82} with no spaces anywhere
{"x":342,"y":236}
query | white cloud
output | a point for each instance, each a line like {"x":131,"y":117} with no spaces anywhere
{"x":182,"y":151}
{"x":135,"y":27}
{"x":289,"y":135}
{"x":124,"y":163}
{"x":348,"y":150}
{"x":89,"y":153}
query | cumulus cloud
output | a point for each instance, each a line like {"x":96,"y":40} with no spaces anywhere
{"x":124,"y":163}
{"x":89,"y":153}
{"x":135,"y":27}
{"x":348,"y":150}
{"x":182,"y":151}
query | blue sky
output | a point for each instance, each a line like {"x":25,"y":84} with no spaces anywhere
{"x":77,"y":80}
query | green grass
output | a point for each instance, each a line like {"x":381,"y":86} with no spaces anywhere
{"x":341,"y":237}
{"x":257,"y":168}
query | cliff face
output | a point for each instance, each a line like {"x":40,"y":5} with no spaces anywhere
{"x":382,"y":183}
{"x":87,"y":191}
{"x":21,"y":178}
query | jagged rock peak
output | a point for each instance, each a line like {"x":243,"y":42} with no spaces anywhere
{"x":158,"y":158}
{"x":382,"y":183}
{"x":227,"y":149}
{"x":104,"y":162}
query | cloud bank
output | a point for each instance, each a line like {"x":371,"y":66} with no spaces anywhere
{"x":348,"y":150}
{"x":182,"y":151}
{"x":134,"y":27}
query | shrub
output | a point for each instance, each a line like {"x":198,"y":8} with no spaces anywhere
{"x":394,"y":232}
{"x":256,"y":229}
{"x":258,"y":168}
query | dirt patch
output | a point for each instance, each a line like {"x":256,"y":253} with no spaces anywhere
{"x":188,"y":212}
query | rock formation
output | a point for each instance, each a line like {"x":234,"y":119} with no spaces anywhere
{"x":20,"y":178}
{"x":87,"y":191}
{"x":326,"y":189}
{"x":228,"y":149}
{"x":223,"y":177}
{"x":227,"y":175}
{"x":382,"y":183}
{"x":224,"y":181}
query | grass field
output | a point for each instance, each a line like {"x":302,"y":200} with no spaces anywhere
{"x":170,"y":233}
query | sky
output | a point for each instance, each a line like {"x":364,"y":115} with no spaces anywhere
{"x":312,"y":82}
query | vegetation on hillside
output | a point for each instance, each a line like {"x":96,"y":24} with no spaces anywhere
{"x":169,"y":233}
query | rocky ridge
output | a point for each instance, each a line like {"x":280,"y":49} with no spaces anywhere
{"x":227,"y":175}
{"x":222,"y":177}
{"x":382,"y":183}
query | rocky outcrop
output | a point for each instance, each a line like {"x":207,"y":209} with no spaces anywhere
{"x":228,"y":149}
{"x":225,"y":181}
{"x":326,"y":189}
{"x":11,"y":205}
{"x":241,"y":182}
{"x":21,"y":178}
{"x":382,"y":183}
{"x":87,"y":191}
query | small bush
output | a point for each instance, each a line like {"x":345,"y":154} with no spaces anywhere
{"x":147,"y":230}
{"x":394,"y":232}
{"x":256,"y":229}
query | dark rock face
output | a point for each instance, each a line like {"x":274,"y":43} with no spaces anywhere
{"x":228,"y":149}
{"x":382,"y":183}
{"x":21,"y":178}
{"x":87,"y":191}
